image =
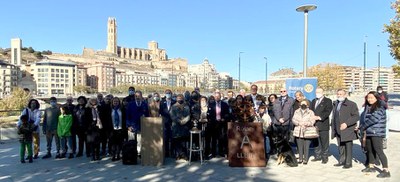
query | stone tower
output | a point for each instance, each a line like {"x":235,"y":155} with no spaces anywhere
{"x":112,"y":35}
{"x":16,"y":45}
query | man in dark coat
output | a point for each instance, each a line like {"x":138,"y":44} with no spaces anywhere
{"x":345,"y":116}
{"x":283,"y":112}
{"x":322,"y":108}
{"x":165,"y":108}
{"x":218,"y":116}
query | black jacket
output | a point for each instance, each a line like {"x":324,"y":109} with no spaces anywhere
{"x":323,"y":110}
{"x":348,"y":114}
{"x":165,"y":113}
{"x":212,"y":114}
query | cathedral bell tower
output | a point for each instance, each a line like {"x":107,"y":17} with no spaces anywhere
{"x":112,"y":35}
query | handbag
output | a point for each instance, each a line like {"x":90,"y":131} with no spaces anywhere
{"x":311,"y":132}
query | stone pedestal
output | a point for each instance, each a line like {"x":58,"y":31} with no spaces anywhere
{"x":152,"y":141}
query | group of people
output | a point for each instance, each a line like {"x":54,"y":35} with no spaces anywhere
{"x":102,"y":124}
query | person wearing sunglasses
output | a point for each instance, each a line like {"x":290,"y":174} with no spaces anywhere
{"x":283,"y":112}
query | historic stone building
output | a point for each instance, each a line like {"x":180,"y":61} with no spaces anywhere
{"x":153,"y":53}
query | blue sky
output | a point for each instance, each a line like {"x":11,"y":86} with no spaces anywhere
{"x":217,"y":30}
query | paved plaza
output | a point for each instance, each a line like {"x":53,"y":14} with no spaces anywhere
{"x":217,"y":169}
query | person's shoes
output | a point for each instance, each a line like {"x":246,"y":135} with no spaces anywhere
{"x":30,"y":159}
{"x":58,"y":156}
{"x":338,"y":165}
{"x":71,"y":156}
{"x":22,"y":161}
{"x":118,"y":158}
{"x":113,"y":158}
{"x":79,"y":155}
{"x":93,"y":159}
{"x":48,"y":155}
{"x":368,"y":170}
{"x":35,"y":156}
{"x":384,"y":174}
{"x":324,"y":161}
{"x":62,"y":156}
{"x":316,"y":159}
{"x":347,"y":166}
{"x":305,"y":163}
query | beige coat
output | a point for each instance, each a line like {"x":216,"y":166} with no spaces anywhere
{"x":301,"y":120}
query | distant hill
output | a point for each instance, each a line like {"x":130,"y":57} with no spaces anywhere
{"x":29,"y":55}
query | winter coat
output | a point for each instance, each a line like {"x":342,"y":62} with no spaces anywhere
{"x":348,"y":114}
{"x":374,"y":123}
{"x":64,"y":125}
{"x":133,"y":114}
{"x":301,"y":120}
{"x":284,"y":111}
{"x":50,"y":119}
{"x":180,"y":115}
{"x":25,"y":132}
{"x":82,"y":118}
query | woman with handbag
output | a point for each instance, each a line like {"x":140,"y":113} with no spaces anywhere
{"x":304,"y":130}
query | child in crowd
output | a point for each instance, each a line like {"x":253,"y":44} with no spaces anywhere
{"x":64,"y":131}
{"x":25,"y":137}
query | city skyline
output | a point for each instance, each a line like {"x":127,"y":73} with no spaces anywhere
{"x":198,"y":30}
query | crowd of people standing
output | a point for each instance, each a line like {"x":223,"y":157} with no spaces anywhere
{"x":99,"y":126}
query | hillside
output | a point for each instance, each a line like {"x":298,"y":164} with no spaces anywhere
{"x":29,"y":55}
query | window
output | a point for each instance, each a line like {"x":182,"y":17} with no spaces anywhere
{"x":62,"y":70}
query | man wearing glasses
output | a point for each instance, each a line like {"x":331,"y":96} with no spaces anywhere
{"x":283,"y":112}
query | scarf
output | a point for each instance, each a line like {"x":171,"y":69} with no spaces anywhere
{"x":116,"y":117}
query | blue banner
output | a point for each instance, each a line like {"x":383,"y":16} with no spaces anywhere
{"x":305,"y":85}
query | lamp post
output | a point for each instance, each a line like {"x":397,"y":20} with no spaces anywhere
{"x":379,"y":65}
{"x":365,"y":62}
{"x":239,"y":69}
{"x":305,"y":9}
{"x":266,"y":74}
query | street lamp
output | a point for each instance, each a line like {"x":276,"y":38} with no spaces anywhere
{"x":266,"y":74}
{"x":239,"y":68}
{"x":379,"y":65}
{"x":305,"y":9}
{"x":365,"y":62}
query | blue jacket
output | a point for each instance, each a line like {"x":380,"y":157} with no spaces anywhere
{"x":374,"y":123}
{"x":134,"y":113}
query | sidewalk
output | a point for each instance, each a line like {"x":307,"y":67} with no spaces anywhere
{"x":217,"y":169}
